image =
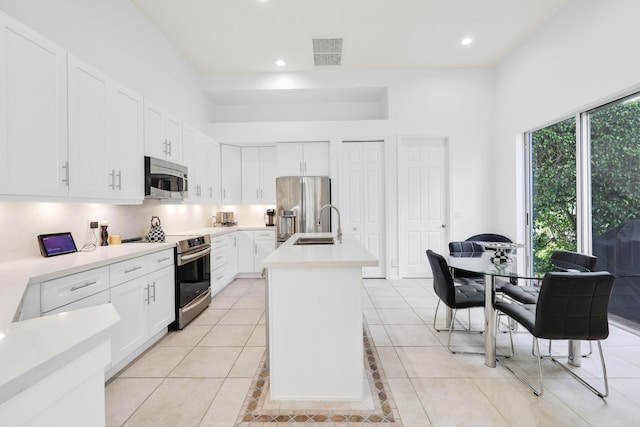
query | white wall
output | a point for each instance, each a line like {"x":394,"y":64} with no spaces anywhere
{"x":456,"y":104}
{"x":585,"y":56}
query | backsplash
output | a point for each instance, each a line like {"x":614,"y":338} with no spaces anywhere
{"x":21,"y":222}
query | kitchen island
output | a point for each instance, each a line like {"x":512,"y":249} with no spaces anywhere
{"x":314,"y":319}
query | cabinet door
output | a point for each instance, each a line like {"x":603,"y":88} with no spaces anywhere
{"x":316,"y":159}
{"x":246,"y":250}
{"x":269,"y":171}
{"x":130,"y":300}
{"x":289,"y":159}
{"x":263,"y":247}
{"x":172,"y":129}
{"x":192,"y":160}
{"x":33,"y":113}
{"x":89,"y":172}
{"x":126,"y":143}
{"x":231,"y":168}
{"x":214,"y":166}
{"x":162,"y":303}
{"x":232,"y":255}
{"x":155,"y":144}
{"x":251,"y":175}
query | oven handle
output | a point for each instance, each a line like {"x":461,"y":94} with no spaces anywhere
{"x":183,"y":259}
{"x":196,"y":301}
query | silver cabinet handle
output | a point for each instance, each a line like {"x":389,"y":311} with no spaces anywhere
{"x":255,"y":249}
{"x":66,"y":168}
{"x":301,"y":170}
{"x":147,"y":298}
{"x":132,"y":269}
{"x":119,"y":175}
{"x":154,"y":291}
{"x":166,"y":147}
{"x":170,"y":147}
{"x":261,"y":196}
{"x":257,"y":194}
{"x":163,"y":259}
{"x":75,"y":288}
{"x":219,"y":257}
{"x":112,"y":175}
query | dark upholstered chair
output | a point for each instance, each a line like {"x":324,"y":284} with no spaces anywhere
{"x":455,"y":296}
{"x":468,"y":249}
{"x":562,"y":261}
{"x":489,"y":237}
{"x":571,"y":306}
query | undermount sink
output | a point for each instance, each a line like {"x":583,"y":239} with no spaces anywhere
{"x":314,"y":241}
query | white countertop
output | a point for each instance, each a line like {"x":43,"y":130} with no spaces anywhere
{"x":34,"y":348}
{"x":349,"y":253}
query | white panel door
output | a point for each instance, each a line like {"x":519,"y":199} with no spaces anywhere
{"x":363,"y":199}
{"x":33,"y":113}
{"x":422,"y":203}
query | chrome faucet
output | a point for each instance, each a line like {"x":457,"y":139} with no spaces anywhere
{"x":339,"y":236}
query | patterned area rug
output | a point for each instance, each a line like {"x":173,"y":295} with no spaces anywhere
{"x":258,"y":409}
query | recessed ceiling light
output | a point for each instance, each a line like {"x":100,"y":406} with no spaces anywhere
{"x":466,"y":41}
{"x":280,"y":63}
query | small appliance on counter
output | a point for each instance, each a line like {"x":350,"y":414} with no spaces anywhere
{"x":269,"y":218}
{"x":224,"y":219}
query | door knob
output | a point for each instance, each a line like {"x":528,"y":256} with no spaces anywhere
{"x":444,"y":226}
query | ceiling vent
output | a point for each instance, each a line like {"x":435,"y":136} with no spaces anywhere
{"x":327,"y":51}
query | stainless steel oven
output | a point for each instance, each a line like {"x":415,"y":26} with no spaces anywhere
{"x":193,"y":277}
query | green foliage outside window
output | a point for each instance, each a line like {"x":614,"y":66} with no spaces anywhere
{"x":554,"y":191}
{"x":615,"y":181}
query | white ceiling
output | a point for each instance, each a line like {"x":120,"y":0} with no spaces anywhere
{"x":250,"y":35}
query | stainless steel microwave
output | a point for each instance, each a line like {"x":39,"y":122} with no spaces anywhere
{"x":164,"y":180}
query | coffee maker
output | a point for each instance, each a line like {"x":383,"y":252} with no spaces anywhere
{"x":269,"y":217}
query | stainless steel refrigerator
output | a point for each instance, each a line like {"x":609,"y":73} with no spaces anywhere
{"x":298,"y":203}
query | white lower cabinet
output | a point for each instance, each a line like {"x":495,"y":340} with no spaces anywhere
{"x":253,"y":247}
{"x":131,"y":301}
{"x":145,"y":303}
{"x":224,"y":260}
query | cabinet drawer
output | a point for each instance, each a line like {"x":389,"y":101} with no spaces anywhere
{"x":218,"y":258}
{"x":90,"y":301}
{"x":127,"y":270}
{"x":264,"y":235}
{"x":65,"y":290}
{"x":218,"y":274}
{"x":160,"y":259}
{"x":218,"y":241}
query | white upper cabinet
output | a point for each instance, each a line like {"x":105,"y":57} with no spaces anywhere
{"x":105,"y":136}
{"x":303,"y":158}
{"x":33,"y":113}
{"x":201,"y":155}
{"x":259,"y":175}
{"x":162,"y":134}
{"x":126,"y":143}
{"x":231,"y":174}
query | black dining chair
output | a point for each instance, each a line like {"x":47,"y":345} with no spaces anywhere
{"x":561,"y":261}
{"x":471,"y":249}
{"x":455,"y":296}
{"x":571,"y":306}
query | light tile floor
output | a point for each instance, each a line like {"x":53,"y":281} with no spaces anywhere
{"x":201,"y":375}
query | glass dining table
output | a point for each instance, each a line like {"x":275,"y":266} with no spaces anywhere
{"x":501,"y":261}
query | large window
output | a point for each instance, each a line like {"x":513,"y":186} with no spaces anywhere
{"x":553,"y":173}
{"x":614,"y":133}
{"x":586,"y":196}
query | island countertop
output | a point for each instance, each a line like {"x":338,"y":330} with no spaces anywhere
{"x":349,"y":253}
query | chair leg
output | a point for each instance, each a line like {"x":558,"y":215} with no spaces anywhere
{"x":586,"y":384}
{"x":522,"y":380}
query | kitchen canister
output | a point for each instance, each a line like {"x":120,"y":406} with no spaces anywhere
{"x":156,"y":234}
